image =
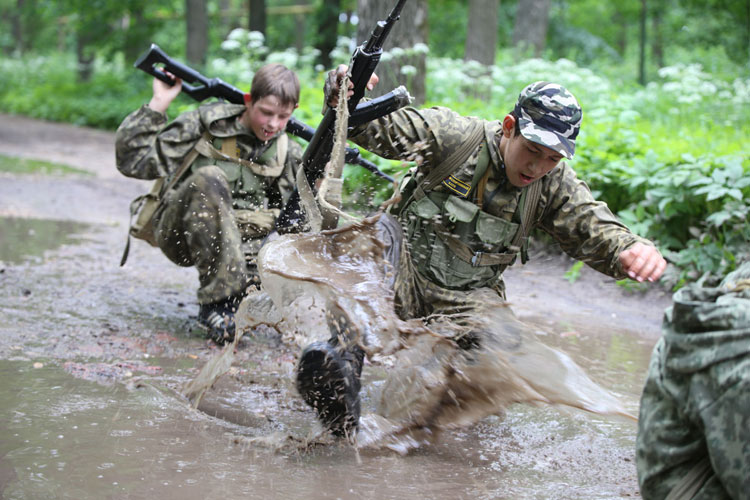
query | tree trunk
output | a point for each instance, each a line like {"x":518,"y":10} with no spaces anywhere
{"x":258,"y":16}
{"x":17,"y":27}
{"x":530,"y":30}
{"x":327,"y":22}
{"x":197,"y":31}
{"x":85,"y":58}
{"x":409,"y":30}
{"x":621,"y":40}
{"x":642,"y":51}
{"x":481,"y":33}
{"x":657,"y":42}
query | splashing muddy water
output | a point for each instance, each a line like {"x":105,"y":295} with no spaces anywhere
{"x":433,"y":385}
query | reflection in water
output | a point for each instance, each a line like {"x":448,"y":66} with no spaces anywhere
{"x":21,"y":239}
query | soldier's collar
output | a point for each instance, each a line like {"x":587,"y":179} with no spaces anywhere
{"x":491,"y":131}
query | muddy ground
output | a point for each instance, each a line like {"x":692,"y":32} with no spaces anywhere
{"x":93,"y":357}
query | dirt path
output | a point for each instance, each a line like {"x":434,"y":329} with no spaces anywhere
{"x":71,"y":305}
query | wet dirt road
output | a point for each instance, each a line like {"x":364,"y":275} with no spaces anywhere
{"x":93,"y":357}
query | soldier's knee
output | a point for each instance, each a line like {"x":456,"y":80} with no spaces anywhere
{"x":210,"y":179}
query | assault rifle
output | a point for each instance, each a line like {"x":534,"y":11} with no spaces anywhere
{"x":318,"y":152}
{"x":200,"y":88}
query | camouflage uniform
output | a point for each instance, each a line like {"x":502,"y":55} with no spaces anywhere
{"x":585,"y":228}
{"x":219,"y":207}
{"x":696,"y":400}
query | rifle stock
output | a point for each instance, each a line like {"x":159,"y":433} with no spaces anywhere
{"x":361,"y":67}
{"x":200,"y":88}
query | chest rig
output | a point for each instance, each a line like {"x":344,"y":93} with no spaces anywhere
{"x":453,"y":242}
{"x":248,"y":180}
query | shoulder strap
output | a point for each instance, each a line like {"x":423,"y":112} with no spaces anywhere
{"x":229,"y":146}
{"x":452,"y":162}
{"x":187,"y":161}
{"x":528,"y":210}
{"x":282,"y":147}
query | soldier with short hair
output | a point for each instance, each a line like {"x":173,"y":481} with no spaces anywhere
{"x":236,"y":169}
{"x":466,"y":211}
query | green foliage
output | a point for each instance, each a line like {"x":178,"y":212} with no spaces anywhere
{"x":16,"y":165}
{"x":574,"y":272}
{"x":46,"y":87}
{"x":671,"y":159}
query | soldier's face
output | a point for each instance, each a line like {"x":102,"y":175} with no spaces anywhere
{"x":525,"y":161}
{"x":266,"y":116}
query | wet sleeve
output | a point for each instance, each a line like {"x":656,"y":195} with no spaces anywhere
{"x":585,"y":228}
{"x":667,"y":444}
{"x":726,"y":423}
{"x":146,"y":149}
{"x":414,"y":135}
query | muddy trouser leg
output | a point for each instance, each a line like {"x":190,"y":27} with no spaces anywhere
{"x":328,"y":373}
{"x":197,"y":228}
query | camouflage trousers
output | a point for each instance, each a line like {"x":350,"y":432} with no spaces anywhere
{"x":695,"y":405}
{"x":196,"y":226}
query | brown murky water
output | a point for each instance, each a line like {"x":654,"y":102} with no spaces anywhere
{"x":91,"y":407}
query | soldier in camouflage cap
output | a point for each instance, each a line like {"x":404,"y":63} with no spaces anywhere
{"x":694,"y":425}
{"x":467,"y":208}
{"x":549,"y":115}
{"x":227,"y":171}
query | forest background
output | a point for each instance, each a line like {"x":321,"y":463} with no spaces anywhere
{"x":664,"y":85}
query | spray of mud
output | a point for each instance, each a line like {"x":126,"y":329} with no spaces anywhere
{"x":433,"y":384}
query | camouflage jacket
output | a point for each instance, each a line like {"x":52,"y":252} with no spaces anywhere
{"x":147,"y":148}
{"x":585,"y":228}
{"x":696,"y":400}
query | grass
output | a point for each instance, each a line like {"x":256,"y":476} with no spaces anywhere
{"x":16,"y":165}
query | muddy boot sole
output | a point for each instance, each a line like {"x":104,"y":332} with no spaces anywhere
{"x":327,"y":383}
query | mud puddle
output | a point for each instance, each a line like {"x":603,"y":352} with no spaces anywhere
{"x":64,"y":437}
{"x":27,"y":239}
{"x":102,"y":416}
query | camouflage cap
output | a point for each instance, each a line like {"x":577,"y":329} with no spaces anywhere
{"x":549,"y":115}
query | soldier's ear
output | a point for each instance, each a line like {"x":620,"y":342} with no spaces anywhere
{"x":247,"y":98}
{"x":509,"y":125}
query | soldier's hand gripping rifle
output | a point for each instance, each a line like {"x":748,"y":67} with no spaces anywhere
{"x":318,"y":152}
{"x":200,"y":88}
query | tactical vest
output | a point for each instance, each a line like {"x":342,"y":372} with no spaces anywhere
{"x":247,"y":180}
{"x":453,"y":242}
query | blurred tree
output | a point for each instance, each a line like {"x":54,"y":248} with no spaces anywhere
{"x":530,"y":30}
{"x":657,"y":40}
{"x":258,"y":20}
{"x":408,"y":65}
{"x":196,"y":17}
{"x":327,"y":22}
{"x":642,"y":45}
{"x":17,"y":27}
{"x":481,"y":33}
{"x":447,"y":21}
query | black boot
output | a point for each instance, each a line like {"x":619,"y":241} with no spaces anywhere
{"x":217,"y":319}
{"x":328,"y":378}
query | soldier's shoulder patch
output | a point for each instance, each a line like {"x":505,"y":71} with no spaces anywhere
{"x":457,"y":186}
